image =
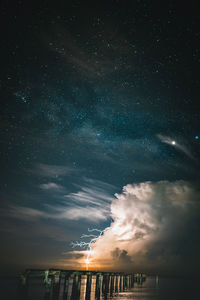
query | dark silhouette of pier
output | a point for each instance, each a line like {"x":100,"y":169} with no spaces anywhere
{"x":77,"y":285}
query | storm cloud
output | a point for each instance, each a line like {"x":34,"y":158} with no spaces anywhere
{"x":155,"y":226}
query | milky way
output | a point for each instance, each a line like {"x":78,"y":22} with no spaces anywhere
{"x":95,"y":98}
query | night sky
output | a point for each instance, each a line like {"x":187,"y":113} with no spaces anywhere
{"x":99,"y":127}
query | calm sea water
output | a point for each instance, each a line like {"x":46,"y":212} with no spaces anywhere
{"x":167,"y":289}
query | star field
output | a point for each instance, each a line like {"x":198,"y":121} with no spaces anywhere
{"x":93,"y":97}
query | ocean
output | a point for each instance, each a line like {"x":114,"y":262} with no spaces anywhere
{"x":164,"y":289}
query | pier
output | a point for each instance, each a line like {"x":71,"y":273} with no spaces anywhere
{"x":76,"y":285}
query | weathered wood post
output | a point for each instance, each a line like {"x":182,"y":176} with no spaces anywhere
{"x":106,"y":284}
{"x":47,"y":283}
{"x":111,"y":284}
{"x":61,"y":285}
{"x":93,"y":287}
{"x":76,"y":287}
{"x":127,"y":282}
{"x":140,"y":279}
{"x":83,"y":287}
{"x":98,"y":286}
{"x":116,"y":283}
{"x":132,"y":280}
{"x":65,"y":286}
{"x":88,"y":286}
{"x":56,"y":285}
{"x":124,"y":283}
{"x":120,"y":283}
{"x":70,"y":284}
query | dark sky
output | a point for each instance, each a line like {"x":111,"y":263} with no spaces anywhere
{"x":99,"y":98}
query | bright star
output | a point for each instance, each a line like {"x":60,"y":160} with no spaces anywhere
{"x":196,"y":137}
{"x":167,"y":140}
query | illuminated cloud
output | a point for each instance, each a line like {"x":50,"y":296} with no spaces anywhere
{"x":78,"y":212}
{"x":150,"y":223}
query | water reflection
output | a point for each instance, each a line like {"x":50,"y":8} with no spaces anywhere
{"x":173,"y":288}
{"x":59,"y":285}
{"x":83,"y":287}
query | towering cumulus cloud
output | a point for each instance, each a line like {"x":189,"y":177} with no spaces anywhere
{"x":155,"y":227}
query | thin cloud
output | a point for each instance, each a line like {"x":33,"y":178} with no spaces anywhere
{"x":51,"y":171}
{"x":91,"y":202}
{"x":25,"y":213}
{"x":93,"y":192}
{"x":168,"y":140}
{"x":90,"y":196}
{"x":52,"y":186}
{"x":88,"y":213}
{"x":93,"y":214}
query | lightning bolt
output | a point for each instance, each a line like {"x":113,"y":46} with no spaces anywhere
{"x":88,"y":245}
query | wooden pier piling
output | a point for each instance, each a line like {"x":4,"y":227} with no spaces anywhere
{"x":79,"y":285}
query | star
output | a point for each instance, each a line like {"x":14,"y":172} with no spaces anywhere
{"x":196,"y":137}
